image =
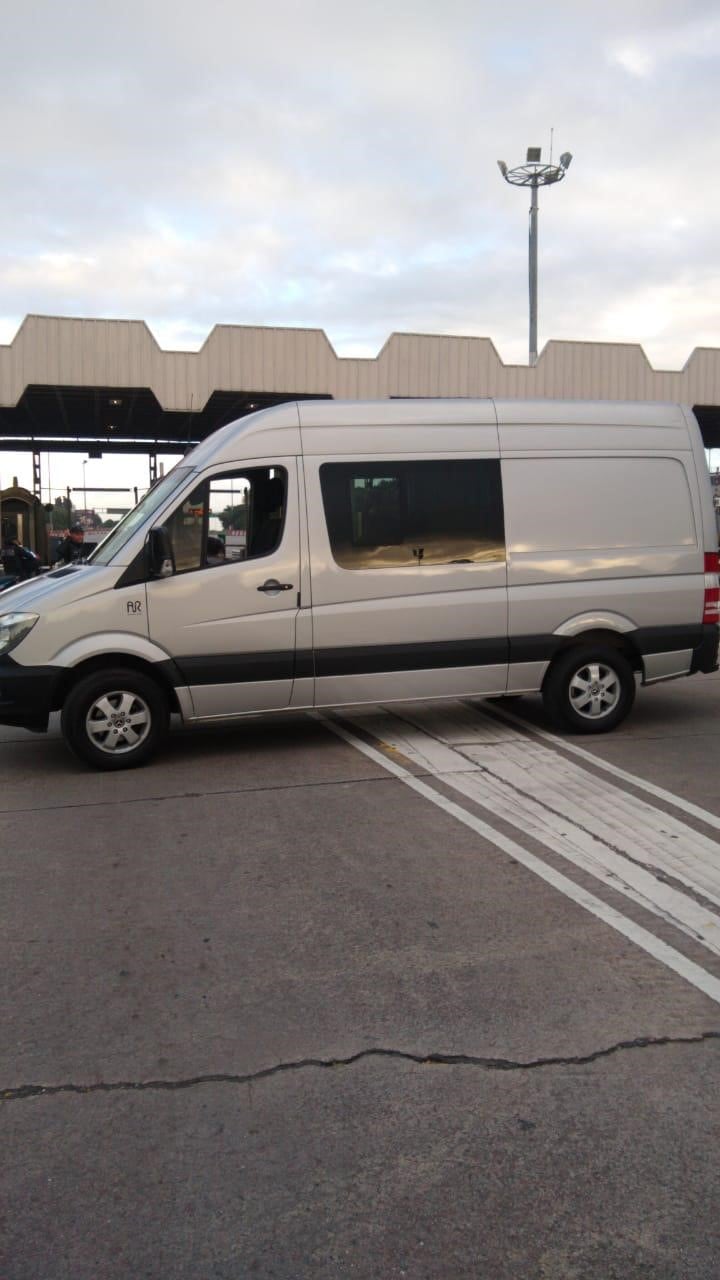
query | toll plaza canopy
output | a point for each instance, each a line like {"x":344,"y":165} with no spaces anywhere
{"x":85,"y":385}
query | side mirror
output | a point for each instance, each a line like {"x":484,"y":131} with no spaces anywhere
{"x":160,"y":558}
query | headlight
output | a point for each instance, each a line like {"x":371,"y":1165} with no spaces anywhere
{"x":13,"y":628}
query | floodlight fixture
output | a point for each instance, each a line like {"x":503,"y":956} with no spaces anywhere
{"x":534,"y":174}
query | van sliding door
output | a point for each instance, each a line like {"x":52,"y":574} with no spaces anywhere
{"x":409,"y":578}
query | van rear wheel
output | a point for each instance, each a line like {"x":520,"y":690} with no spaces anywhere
{"x":115,"y":719}
{"x":590,"y":690}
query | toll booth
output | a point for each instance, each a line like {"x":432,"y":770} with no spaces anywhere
{"x":23,"y":517}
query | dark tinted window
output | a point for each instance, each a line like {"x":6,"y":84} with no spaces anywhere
{"x":389,"y":514}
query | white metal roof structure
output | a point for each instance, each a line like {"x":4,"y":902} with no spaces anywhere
{"x":106,"y":380}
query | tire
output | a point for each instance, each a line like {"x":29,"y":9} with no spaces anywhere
{"x":589,"y":690}
{"x":115,"y":719}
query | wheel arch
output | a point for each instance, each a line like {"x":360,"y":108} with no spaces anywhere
{"x":161,"y":673}
{"x":597,"y":635}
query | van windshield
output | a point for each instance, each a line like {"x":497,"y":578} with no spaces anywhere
{"x":153,"y":500}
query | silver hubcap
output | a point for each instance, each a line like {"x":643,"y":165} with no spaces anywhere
{"x":118,"y":722}
{"x":594,"y":690}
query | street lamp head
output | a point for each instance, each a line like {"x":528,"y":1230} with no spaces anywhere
{"x":565,"y":159}
{"x":502,"y":167}
{"x":534,"y":155}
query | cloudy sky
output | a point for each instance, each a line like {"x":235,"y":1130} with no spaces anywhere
{"x":334,"y":166}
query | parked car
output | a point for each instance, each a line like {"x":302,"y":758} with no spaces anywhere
{"x":18,"y":563}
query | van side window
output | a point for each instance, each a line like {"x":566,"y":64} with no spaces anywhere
{"x":231,"y":517}
{"x":385,"y":515}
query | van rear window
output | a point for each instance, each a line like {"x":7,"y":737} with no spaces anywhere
{"x":383,"y":515}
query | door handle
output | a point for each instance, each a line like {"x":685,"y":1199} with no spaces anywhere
{"x":272,"y":587}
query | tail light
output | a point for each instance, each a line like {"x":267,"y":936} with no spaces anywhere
{"x":711,"y":602}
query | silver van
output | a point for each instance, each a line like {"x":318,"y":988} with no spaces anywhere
{"x":325,"y":553}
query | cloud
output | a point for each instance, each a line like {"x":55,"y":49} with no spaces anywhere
{"x":639,"y":62}
{"x":335,"y":168}
{"x":652,"y":51}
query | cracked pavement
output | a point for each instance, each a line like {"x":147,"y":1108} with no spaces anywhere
{"x":267,"y":1013}
{"x":304,"y":1064}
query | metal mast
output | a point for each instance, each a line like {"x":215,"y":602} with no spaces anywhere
{"x":534,"y":174}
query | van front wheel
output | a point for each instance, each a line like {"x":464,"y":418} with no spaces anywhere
{"x":589,"y":690}
{"x":115,"y":719}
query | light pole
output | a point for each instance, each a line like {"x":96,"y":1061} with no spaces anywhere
{"x":534,"y":174}
{"x":85,"y":462}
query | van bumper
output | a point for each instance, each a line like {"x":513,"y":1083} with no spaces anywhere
{"x":705,"y":654}
{"x":27,"y":694}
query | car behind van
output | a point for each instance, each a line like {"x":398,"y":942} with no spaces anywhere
{"x":374,"y":552}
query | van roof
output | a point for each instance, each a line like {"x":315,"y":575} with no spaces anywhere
{"x":400,"y":412}
{"x":395,"y":412}
{"x":281,"y":422}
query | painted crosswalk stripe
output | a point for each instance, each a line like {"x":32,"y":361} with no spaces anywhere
{"x":546,"y":783}
{"x":678,"y":802}
{"x":652,"y":945}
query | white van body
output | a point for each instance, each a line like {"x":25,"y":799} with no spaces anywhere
{"x":392,"y":550}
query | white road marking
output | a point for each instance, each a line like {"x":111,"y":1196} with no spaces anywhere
{"x":694,"y":810}
{"x":655,"y":947}
{"x":588,"y":821}
{"x":623,"y":822}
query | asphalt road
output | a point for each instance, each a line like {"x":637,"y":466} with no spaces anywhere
{"x":416,"y":991}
